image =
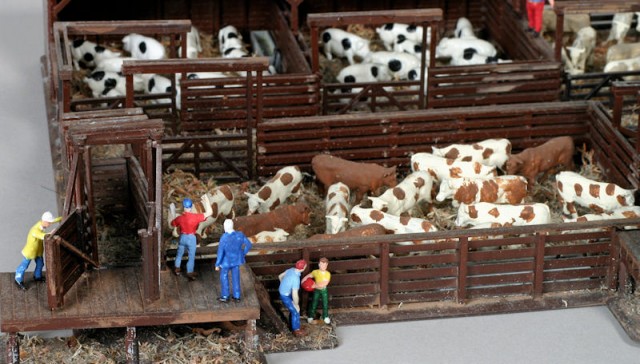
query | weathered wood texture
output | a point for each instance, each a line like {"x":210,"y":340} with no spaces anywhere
{"x":113,"y":298}
{"x":626,"y":95}
{"x":391,"y":138}
{"x":506,"y":83}
{"x":461,"y":266}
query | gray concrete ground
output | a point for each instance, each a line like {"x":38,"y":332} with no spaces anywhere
{"x":586,"y":336}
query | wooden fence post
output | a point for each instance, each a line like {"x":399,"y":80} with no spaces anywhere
{"x":13,"y":349}
{"x":463,"y":251}
{"x":538,"y":269}
{"x":131,"y":346}
{"x":384,"y":274}
{"x":613,"y":272}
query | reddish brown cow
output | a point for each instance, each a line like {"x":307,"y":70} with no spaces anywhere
{"x":285,"y":217}
{"x":359,"y":177}
{"x":544,"y":158}
{"x":364,"y":230}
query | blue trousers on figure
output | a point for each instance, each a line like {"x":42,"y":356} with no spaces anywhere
{"x":37,"y":274}
{"x":235,"y":281}
{"x":187,"y":241}
{"x":295,"y":315}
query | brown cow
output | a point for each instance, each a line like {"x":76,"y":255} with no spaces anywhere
{"x":359,"y":177}
{"x":285,"y":217}
{"x":364,"y":230}
{"x":544,"y":158}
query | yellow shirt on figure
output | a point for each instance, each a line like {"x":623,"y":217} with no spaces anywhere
{"x":321,"y":276}
{"x":34,"y":246}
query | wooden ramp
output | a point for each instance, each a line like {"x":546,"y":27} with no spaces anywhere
{"x":113,"y":298}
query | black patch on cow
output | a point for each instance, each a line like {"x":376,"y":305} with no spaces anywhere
{"x":411,"y":29}
{"x":192,"y":76}
{"x":97,"y":76}
{"x":401,"y":38}
{"x":77,"y":43}
{"x":468,"y":53}
{"x":228,"y":50}
{"x":120,"y":74}
{"x":417,"y":48}
{"x":152,"y":84}
{"x":106,"y":91}
{"x":142,"y":47}
{"x":458,"y":33}
{"x":345,"y":90}
{"x":110,"y":83}
{"x":168,"y":89}
{"x":395,"y":65}
{"x":493,"y":59}
{"x":413,"y":75}
{"x":88,"y":57}
{"x":374,"y":71}
{"x":388,"y":26}
{"x":99,"y":49}
{"x":326,"y":37}
{"x":232,"y":35}
{"x":346,"y":43}
{"x":350,"y":79}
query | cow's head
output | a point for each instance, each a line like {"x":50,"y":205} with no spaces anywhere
{"x":253,"y":202}
{"x":514,"y":164}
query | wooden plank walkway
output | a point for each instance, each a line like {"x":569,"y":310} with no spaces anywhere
{"x":113,"y":298}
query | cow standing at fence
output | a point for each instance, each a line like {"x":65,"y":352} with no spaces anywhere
{"x":287,"y":181}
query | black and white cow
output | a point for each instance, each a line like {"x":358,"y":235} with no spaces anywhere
{"x":392,"y":33}
{"x":143,"y":47}
{"x":86,"y":54}
{"x":344,"y":44}
{"x":106,"y":84}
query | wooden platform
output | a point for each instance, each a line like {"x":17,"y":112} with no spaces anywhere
{"x":113,"y":298}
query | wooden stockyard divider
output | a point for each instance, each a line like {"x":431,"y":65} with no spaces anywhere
{"x":543,"y":265}
{"x":390,"y":138}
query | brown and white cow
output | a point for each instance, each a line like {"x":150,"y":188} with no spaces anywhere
{"x":490,"y":214}
{"x":502,"y":189}
{"x":337,"y":208}
{"x":221,"y":202}
{"x":276,"y":191}
{"x":397,"y":224}
{"x":490,"y":152}
{"x":545,"y":158}
{"x":598,"y":196}
{"x":628,"y":212}
{"x":359,"y":231}
{"x":402,"y":198}
{"x":361,"y":178}
{"x":285,"y":217}
{"x":275,"y":236}
{"x":442,"y":168}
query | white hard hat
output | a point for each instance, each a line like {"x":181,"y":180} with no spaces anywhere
{"x":228,"y":225}
{"x":47,"y":217}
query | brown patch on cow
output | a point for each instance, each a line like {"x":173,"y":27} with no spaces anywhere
{"x":489,"y":191}
{"x":629,"y":214}
{"x":404,"y":220}
{"x":355,"y":218}
{"x":331,"y":196}
{"x":275,"y":204}
{"x":467,"y":159}
{"x":527,"y":213}
{"x":494,"y":212}
{"x":214,"y":209}
{"x":453,"y":153}
{"x":476,"y":146}
{"x":578,"y":188}
{"x":473,"y":212}
{"x":477,"y":167}
{"x":399,"y":193}
{"x":419,"y":182}
{"x":610,"y":189}
{"x":286,"y":179}
{"x":597,"y":209}
{"x":432,"y":173}
{"x":455,"y":172}
{"x":264,"y":193}
{"x":621,"y":200}
{"x":416,"y":196}
{"x":581,"y":219}
{"x":487,"y":153}
{"x":344,"y":210}
{"x":297,"y":187}
{"x":226,"y":191}
{"x":594,"y":190}
{"x":376,"y":215}
{"x":559,"y":186}
{"x":571,"y":207}
{"x":416,"y":166}
{"x":466,"y":193}
{"x":344,"y":190}
{"x":426,"y":226}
